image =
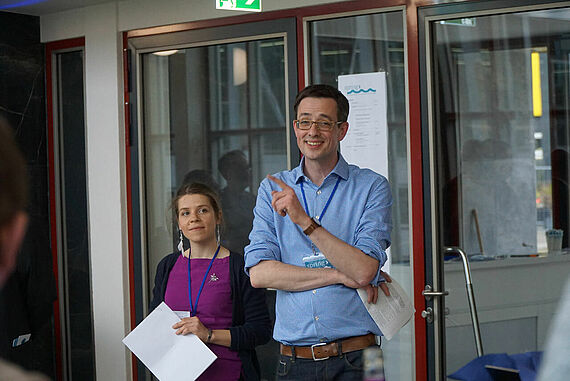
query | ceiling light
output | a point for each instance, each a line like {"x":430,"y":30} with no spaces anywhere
{"x":165,"y":53}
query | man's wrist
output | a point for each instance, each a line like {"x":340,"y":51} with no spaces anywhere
{"x":306,"y":223}
{"x":311,"y":226}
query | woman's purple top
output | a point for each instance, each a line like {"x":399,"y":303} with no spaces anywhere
{"x":214,"y":307}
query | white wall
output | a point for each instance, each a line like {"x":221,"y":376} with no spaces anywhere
{"x":106,"y":179}
{"x":106,"y":190}
{"x":136,"y":14}
{"x":101,"y":26}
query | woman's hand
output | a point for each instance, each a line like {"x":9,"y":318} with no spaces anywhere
{"x":191,"y":325}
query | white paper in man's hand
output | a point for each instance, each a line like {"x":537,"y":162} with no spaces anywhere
{"x":390,"y":313}
{"x":168,"y":356}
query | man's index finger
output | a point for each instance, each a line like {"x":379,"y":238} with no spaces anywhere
{"x":277,"y":181}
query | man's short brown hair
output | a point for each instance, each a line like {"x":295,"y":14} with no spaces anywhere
{"x":325,"y":91}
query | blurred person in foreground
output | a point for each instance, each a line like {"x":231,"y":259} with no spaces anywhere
{"x":555,"y":364}
{"x":13,"y":224}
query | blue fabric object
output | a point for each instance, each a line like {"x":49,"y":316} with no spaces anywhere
{"x":359,"y":213}
{"x":527,"y":364}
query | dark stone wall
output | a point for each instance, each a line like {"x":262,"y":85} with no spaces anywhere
{"x":26,"y":302}
{"x":22,"y":99}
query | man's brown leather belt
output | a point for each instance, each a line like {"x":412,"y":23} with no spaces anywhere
{"x":323,"y":351}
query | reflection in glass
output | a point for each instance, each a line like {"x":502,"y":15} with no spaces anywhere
{"x":501,"y":96}
{"x":237,"y":199}
{"x":201,"y":103}
{"x":490,"y":116}
{"x":369,"y":44}
{"x":75,"y":261}
{"x":213,"y":114}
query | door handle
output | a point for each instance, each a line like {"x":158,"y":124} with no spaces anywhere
{"x":470,"y":295}
{"x":428,"y":314}
{"x":429,"y":293}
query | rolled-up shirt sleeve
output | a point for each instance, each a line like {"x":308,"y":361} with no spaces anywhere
{"x":372,"y":235}
{"x":263,"y":239}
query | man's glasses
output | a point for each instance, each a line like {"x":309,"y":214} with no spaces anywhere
{"x":323,"y":125}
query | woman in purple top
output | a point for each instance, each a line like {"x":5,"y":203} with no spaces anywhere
{"x":207,"y":286}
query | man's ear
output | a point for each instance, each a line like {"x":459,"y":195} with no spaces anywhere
{"x":11,"y":236}
{"x":343,"y":130}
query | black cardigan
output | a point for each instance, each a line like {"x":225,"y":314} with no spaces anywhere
{"x":251,"y":325}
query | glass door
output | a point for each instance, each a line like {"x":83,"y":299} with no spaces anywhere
{"x":374,"y":45}
{"x":71,"y":223}
{"x":498,"y":136}
{"x":215,"y":108}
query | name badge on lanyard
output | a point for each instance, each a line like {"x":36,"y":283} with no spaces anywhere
{"x":317,"y":261}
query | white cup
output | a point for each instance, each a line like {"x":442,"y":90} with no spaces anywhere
{"x":554,"y":241}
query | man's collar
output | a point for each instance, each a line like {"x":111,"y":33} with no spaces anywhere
{"x":340,"y":169}
{"x":298,"y":172}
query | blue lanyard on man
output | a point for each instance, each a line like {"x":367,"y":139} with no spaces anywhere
{"x":193,"y":311}
{"x":319,"y":216}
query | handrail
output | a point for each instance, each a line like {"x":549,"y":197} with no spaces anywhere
{"x":470,"y":296}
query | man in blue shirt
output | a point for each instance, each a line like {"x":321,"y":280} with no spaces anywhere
{"x":320,"y":231}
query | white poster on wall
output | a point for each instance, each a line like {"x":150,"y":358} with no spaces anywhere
{"x":366,"y":143}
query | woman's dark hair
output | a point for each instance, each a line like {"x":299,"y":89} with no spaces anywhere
{"x":197,"y":188}
{"x":325,"y":91}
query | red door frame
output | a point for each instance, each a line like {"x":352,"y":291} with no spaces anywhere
{"x":129,"y":191}
{"x":416,"y":186}
{"x":50,"y":49}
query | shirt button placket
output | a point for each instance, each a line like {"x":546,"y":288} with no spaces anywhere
{"x":317,"y":204}
{"x":315,"y":313}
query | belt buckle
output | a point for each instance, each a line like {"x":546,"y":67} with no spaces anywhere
{"x":313,"y":351}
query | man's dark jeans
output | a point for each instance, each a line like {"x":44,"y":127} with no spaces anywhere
{"x":346,"y":367}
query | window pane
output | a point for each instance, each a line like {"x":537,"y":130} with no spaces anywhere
{"x":201,"y":104}
{"x":501,"y":117}
{"x":75,"y":263}
{"x":213,"y":114}
{"x":367,"y":44}
{"x":372,"y":44}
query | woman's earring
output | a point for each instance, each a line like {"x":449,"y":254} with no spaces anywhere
{"x":218,"y":234}
{"x":180,"y":242}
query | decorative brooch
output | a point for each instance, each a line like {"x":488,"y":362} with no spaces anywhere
{"x":213,"y":277}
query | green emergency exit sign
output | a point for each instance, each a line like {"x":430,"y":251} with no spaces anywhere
{"x":472,"y":21}
{"x":239,"y":5}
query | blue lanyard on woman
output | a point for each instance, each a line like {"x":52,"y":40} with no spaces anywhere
{"x":194,"y":310}
{"x":319,"y":217}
